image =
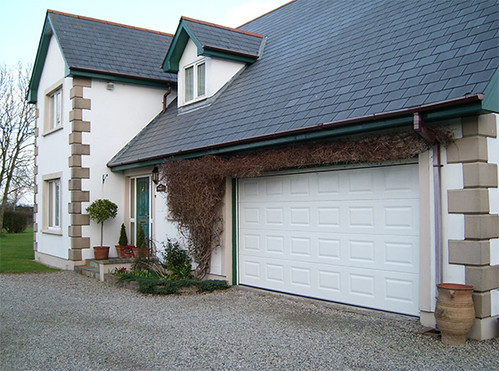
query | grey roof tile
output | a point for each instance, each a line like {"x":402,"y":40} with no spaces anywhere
{"x":111,"y":48}
{"x":224,"y":38}
{"x":328,"y":61}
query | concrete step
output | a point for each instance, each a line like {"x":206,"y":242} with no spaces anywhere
{"x":112,"y":261}
{"x":90,"y":272}
{"x":97,"y":269}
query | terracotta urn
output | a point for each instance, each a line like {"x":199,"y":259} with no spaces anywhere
{"x":455,"y":312}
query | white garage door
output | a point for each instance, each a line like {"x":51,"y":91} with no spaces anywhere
{"x":350,"y":236}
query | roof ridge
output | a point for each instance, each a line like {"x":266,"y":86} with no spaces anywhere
{"x":108,"y":22}
{"x":223,"y":27}
{"x":264,"y":14}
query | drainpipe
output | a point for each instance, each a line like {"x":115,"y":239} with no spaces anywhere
{"x":165,"y":98}
{"x":437,"y":199}
{"x":438,"y":213}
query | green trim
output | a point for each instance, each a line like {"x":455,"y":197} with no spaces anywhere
{"x":491,"y":93}
{"x":41,"y":55}
{"x":469,"y":109}
{"x":136,"y":165}
{"x":111,"y":77}
{"x":231,"y":56}
{"x":177,"y":47}
{"x":234,"y":231}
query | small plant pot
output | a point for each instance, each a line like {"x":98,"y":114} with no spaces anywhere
{"x":120,"y":250}
{"x":140,"y":252}
{"x":101,"y":252}
{"x":128,"y":251}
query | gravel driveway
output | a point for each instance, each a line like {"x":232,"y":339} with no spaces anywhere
{"x":63,"y":321}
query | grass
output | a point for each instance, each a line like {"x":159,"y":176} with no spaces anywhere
{"x":16,"y":254}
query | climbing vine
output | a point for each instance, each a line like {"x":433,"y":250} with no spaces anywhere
{"x":196,"y":187}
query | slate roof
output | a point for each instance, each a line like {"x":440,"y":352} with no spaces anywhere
{"x":107,"y":47}
{"x":224,"y":38}
{"x":328,"y":61}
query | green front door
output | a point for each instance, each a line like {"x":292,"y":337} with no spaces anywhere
{"x":142,"y":216}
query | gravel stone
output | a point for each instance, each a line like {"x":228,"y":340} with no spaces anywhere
{"x":64,"y":321}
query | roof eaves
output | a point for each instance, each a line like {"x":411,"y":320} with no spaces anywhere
{"x":116,"y":76}
{"x":436,"y":111}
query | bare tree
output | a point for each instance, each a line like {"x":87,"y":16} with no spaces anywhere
{"x":17,"y":118}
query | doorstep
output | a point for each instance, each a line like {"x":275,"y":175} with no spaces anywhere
{"x":97,"y":269}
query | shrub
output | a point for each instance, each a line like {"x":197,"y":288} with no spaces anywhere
{"x":123,"y":240}
{"x":177,"y":261}
{"x":15,"y":221}
{"x":141,"y":238}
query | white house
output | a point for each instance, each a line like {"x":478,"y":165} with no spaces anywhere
{"x":309,"y":76}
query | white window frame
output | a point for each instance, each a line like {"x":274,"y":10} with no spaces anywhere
{"x":54,"y":108}
{"x":197,"y":94}
{"x":52,"y":203}
{"x":55,"y":120}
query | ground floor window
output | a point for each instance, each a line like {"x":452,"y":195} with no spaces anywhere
{"x":52,"y":193}
{"x":54,"y":203}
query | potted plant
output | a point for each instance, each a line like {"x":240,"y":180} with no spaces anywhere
{"x":123,"y":249}
{"x":100,"y":211}
{"x":141,"y":251}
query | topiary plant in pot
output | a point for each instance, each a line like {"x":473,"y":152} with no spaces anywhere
{"x":122,"y":248}
{"x":100,"y":211}
{"x":141,"y":251}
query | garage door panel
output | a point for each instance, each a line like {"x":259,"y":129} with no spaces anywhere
{"x":360,"y":217}
{"x":350,"y":236}
{"x":386,"y":252}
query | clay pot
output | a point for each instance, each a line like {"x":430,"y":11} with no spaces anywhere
{"x":455,"y":313}
{"x":140,"y":252}
{"x":101,"y":252}
{"x":120,"y":250}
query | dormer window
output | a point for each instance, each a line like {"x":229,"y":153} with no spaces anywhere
{"x":195,"y":81}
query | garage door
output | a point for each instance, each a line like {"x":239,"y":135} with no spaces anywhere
{"x":349,"y":236}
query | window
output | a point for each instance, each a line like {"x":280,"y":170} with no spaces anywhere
{"x":55,"y":109}
{"x":54,"y":203}
{"x":195,"y":81}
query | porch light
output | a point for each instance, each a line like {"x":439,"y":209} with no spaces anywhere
{"x":155,"y":175}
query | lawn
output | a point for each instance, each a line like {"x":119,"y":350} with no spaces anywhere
{"x":16,"y":253}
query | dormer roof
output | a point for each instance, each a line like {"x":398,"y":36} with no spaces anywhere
{"x":101,"y":49}
{"x":212,"y":40}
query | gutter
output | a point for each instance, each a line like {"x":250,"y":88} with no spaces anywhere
{"x":117,"y":74}
{"x":364,"y":124}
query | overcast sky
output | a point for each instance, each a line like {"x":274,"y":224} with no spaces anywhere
{"x":21,"y":21}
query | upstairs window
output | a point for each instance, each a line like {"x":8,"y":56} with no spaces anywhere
{"x":55,"y":109}
{"x":195,"y":81}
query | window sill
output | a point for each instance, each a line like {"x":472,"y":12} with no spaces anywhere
{"x":56,"y":232}
{"x":52,"y":130}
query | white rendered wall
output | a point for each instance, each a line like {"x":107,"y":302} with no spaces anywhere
{"x":116,"y":116}
{"x":53,"y":153}
{"x":218,"y":71}
{"x":452,"y":224}
{"x":493,"y":157}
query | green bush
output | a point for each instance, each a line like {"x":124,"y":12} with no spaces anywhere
{"x":177,"y":261}
{"x":141,"y":238}
{"x":15,"y":221}
{"x":123,"y":240}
